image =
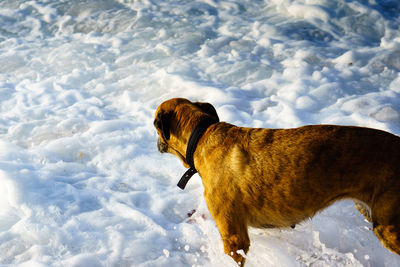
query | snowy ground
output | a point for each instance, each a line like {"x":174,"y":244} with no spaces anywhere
{"x":81,"y":180}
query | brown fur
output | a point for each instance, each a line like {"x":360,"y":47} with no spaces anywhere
{"x":280,"y":177}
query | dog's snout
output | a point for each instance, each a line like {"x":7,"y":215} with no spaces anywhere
{"x":162,"y":147}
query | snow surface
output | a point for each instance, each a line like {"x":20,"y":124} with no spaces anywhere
{"x":81,"y":180}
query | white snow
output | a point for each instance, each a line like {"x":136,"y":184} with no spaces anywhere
{"x":81,"y":180}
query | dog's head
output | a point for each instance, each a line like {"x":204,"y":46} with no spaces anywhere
{"x":175,"y":119}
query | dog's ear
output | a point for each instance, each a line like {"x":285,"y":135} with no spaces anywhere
{"x":209,"y":109}
{"x":162,"y":122}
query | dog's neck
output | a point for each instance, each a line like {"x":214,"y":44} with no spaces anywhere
{"x":194,"y":138}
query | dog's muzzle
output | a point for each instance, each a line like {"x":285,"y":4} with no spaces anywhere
{"x":162,"y":147}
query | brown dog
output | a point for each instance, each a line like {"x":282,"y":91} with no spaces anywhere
{"x":280,"y":177}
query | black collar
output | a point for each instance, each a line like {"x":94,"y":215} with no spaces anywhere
{"x":191,"y":147}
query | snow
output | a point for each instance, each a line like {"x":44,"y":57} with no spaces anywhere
{"x":81,"y":180}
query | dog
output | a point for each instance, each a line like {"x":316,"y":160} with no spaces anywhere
{"x":268,"y":178}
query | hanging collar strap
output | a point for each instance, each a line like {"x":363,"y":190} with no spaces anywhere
{"x":191,"y":147}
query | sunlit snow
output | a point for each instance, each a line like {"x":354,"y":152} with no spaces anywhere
{"x":81,"y":180}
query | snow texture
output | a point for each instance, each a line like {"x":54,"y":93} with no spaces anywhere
{"x":81,"y":180}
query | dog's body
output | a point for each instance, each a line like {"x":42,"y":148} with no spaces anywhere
{"x":280,"y":177}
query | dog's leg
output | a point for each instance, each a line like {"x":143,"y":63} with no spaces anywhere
{"x":389,"y":235}
{"x":232,"y":228}
{"x":234,"y":236}
{"x":386,"y":220}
